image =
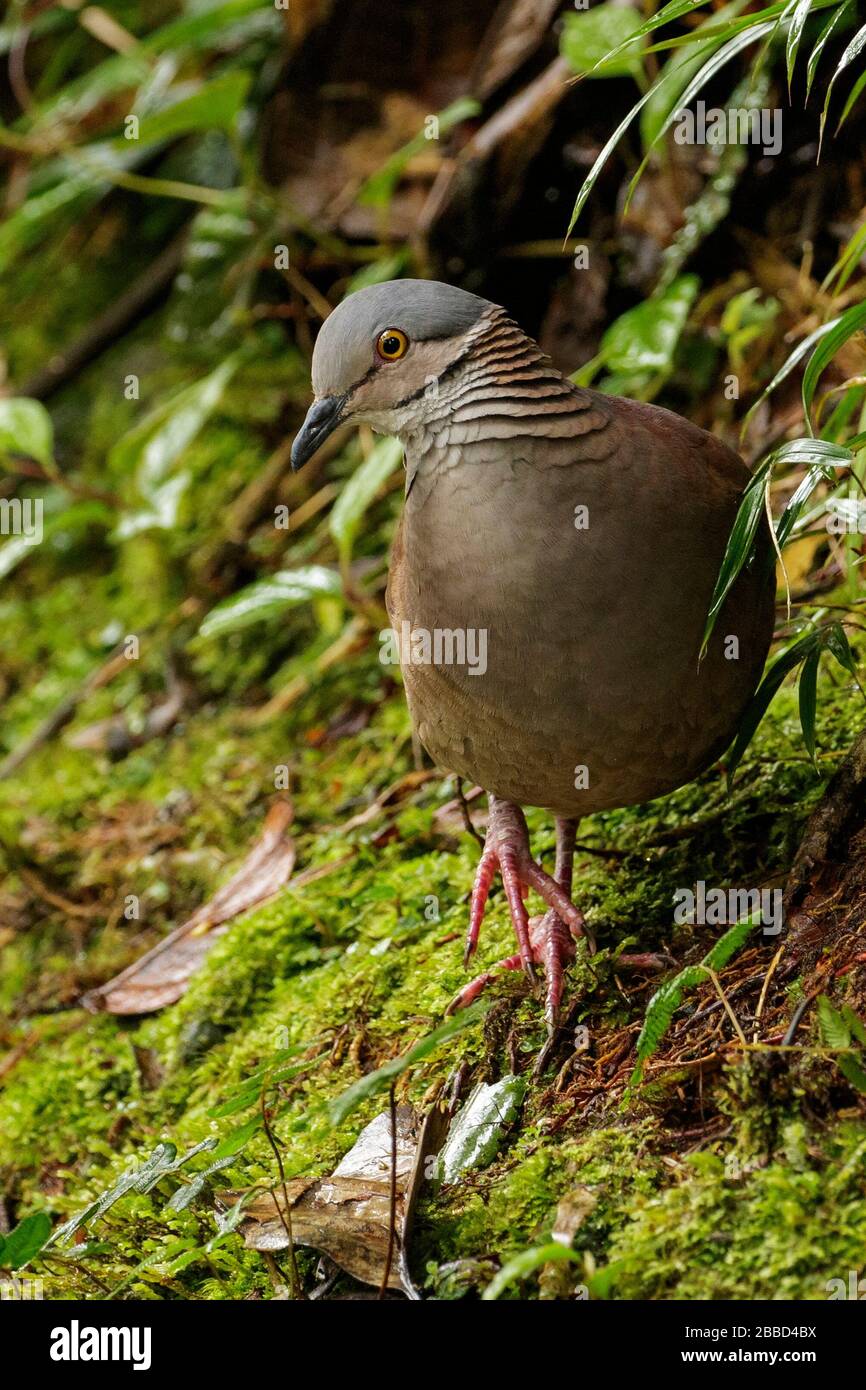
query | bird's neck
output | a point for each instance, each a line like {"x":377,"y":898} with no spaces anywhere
{"x":501,"y":387}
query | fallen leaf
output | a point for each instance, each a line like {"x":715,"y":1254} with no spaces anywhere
{"x":161,"y":976}
{"x":346,"y":1216}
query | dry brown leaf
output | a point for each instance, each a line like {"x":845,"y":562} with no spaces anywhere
{"x":162,"y":975}
{"x":348,"y":1215}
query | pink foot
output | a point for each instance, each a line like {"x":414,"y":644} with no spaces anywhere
{"x":547,"y":940}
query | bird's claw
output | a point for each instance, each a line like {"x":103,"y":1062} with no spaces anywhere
{"x":546,"y":940}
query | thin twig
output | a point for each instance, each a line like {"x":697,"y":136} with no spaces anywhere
{"x":766,"y":985}
{"x":728,"y":1010}
{"x":285,"y":1217}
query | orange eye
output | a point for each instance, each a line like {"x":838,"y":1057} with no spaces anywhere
{"x":392,"y":344}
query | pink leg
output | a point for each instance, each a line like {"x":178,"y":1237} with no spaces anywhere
{"x":548,"y":940}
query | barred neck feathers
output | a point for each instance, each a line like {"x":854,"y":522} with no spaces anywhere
{"x":503,"y":387}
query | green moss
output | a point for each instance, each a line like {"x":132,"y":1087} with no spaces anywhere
{"x":780,"y":1231}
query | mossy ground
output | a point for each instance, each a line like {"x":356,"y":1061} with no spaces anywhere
{"x":362,"y":961}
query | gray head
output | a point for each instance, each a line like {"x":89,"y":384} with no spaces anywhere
{"x":379,"y":350}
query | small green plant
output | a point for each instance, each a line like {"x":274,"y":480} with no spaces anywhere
{"x":840,"y":1030}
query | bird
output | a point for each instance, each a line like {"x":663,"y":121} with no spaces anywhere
{"x":549,"y":583}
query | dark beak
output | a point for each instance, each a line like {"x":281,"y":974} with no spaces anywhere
{"x":323,"y":417}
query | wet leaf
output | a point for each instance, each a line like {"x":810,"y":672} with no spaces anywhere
{"x":644,"y":339}
{"x":808,"y":696}
{"x":477,"y":1131}
{"x":836,"y":20}
{"x":784,"y":662}
{"x":851,"y":322}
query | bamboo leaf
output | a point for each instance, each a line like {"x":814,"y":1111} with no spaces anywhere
{"x":851,"y":322}
{"x":808,"y":695}
{"x":833,"y":23}
{"x":798,"y":12}
{"x":784,"y":663}
{"x":375,"y":1081}
{"x":836,"y":642}
{"x":739,"y":547}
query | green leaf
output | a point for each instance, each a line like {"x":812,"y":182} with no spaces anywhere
{"x":831,"y":1025}
{"x":644,"y":339}
{"x":185,"y":1195}
{"x":836,"y":1029}
{"x":836,"y":642}
{"x":707,"y":72}
{"x":70,"y":521}
{"x":852,"y":1071}
{"x":214,"y":107}
{"x":851,"y":322}
{"x":269,"y":597}
{"x":679,"y":70}
{"x":590,"y":38}
{"x":673,"y":10}
{"x":660,"y":1010}
{"x":836,"y":19}
{"x":739,"y":547}
{"x":728,"y":944}
{"x":153,"y":445}
{"x":148,"y":452}
{"x":822,"y":460}
{"x":360,"y":490}
{"x":526,"y":1263}
{"x":476,"y":1133}
{"x":375,"y":1081}
{"x":853,"y":50}
{"x":25,"y":1240}
{"x":788,"y":366}
{"x":858,"y":1031}
{"x":851,"y":100}
{"x":797,"y":12}
{"x":808,"y":695}
{"x":237,"y":1139}
{"x":26,"y":428}
{"x":776,"y":672}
